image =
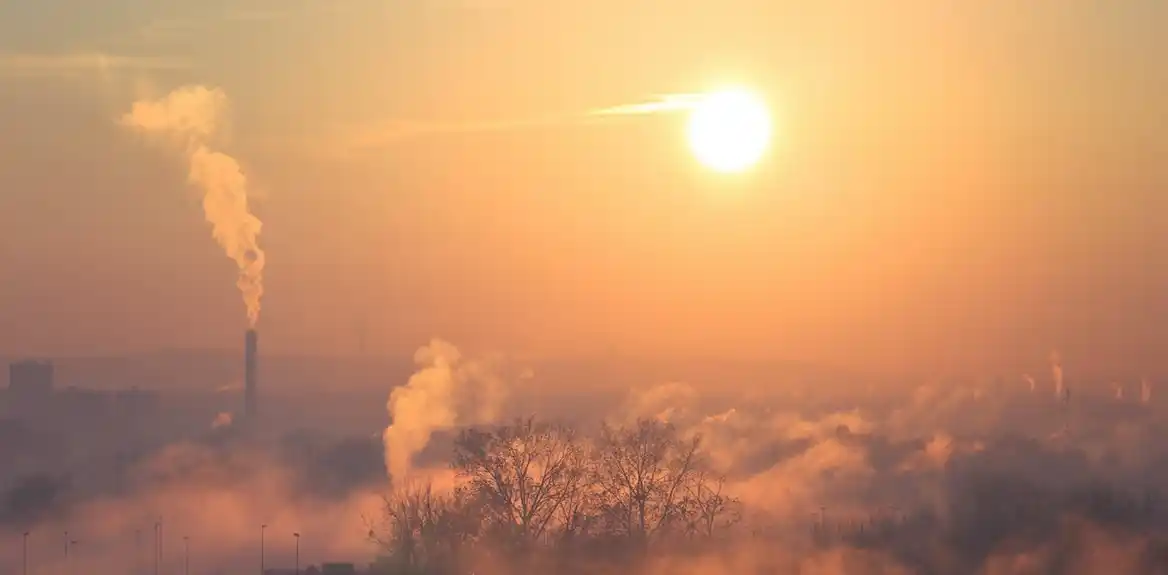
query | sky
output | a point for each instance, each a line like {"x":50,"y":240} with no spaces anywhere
{"x":953,"y":185}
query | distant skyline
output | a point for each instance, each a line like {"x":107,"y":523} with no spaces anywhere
{"x":954,"y":184}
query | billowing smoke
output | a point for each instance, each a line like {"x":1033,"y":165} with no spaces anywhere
{"x":448,"y":391}
{"x":190,"y":116}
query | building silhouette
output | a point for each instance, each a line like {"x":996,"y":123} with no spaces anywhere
{"x":30,"y":386}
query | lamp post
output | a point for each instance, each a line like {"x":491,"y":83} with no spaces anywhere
{"x":24,"y":555}
{"x":157,"y":546}
{"x":69,"y":544}
{"x":186,"y":555}
{"x":297,"y":536}
{"x":161,"y":540}
{"x":262,"y":528}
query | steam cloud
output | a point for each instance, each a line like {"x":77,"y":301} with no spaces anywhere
{"x":223,"y":419}
{"x":190,"y":116}
{"x":1056,"y":373}
{"x":448,"y":391}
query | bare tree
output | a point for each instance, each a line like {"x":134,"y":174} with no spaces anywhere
{"x":709,"y":509}
{"x":423,"y":532}
{"x":524,"y":475}
{"x":579,"y":498}
{"x":642,"y":472}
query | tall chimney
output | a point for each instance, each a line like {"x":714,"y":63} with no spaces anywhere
{"x":250,"y":342}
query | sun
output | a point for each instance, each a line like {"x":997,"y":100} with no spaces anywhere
{"x":730,"y":130}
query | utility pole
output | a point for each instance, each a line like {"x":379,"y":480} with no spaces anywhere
{"x":24,"y":561}
{"x":297,"y":536}
{"x":161,"y":540}
{"x":69,"y":543}
{"x":262,"y":528}
{"x":186,"y":555}
{"x":157,"y":544}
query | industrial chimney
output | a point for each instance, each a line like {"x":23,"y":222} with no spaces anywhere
{"x":250,"y":342}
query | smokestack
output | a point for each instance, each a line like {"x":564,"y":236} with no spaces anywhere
{"x":250,"y":343}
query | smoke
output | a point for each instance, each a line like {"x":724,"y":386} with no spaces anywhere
{"x":919,"y":479}
{"x":1056,"y":374}
{"x":1030,"y":381}
{"x":223,"y":419}
{"x":446,"y":392}
{"x":190,"y":117}
{"x":216,"y":497}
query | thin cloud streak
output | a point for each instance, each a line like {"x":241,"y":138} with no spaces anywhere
{"x":84,"y":62}
{"x":663,"y":104}
{"x":398,"y":131}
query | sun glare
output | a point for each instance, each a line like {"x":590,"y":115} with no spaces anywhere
{"x":729,"y":131}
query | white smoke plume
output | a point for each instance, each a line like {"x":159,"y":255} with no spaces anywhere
{"x":1030,"y":381}
{"x":1056,"y":373}
{"x":190,"y":116}
{"x":1145,"y":391}
{"x":669,"y":402}
{"x":447,"y":392}
{"x":1117,"y":387}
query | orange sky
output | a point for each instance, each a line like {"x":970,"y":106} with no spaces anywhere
{"x":954,"y":186}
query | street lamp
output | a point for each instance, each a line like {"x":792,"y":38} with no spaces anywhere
{"x":69,"y":543}
{"x":24,"y":560}
{"x":161,"y":540}
{"x":186,"y":555}
{"x":157,"y":545}
{"x":262,"y":528}
{"x":297,"y":536}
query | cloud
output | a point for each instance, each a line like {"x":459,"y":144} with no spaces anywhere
{"x":344,"y":142}
{"x":70,"y":64}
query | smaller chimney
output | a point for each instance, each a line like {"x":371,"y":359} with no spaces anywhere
{"x":250,"y":343}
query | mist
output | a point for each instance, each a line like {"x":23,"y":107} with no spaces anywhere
{"x":813,"y":475}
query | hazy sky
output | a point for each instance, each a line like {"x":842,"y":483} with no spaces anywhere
{"x":955,"y":184}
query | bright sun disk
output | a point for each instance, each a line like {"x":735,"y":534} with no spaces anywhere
{"x":730,"y":130}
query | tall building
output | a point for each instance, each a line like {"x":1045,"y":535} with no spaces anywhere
{"x":31,"y":376}
{"x":30,"y":386}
